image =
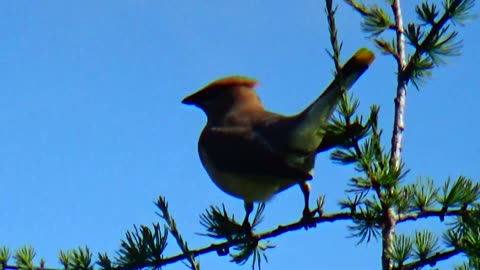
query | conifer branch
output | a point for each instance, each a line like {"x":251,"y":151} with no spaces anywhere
{"x":281,"y":229}
{"x":172,"y":226}
{"x":388,"y":230}
{"x":332,"y":28}
{"x":431,"y":261}
{"x":400,"y":99}
{"x":424,"y":46}
{"x":427,"y":214}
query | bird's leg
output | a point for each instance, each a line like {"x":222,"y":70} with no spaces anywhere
{"x":307,"y":215}
{"x":305,"y":187}
{"x":248,"y":209}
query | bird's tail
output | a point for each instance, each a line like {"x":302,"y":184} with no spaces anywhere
{"x":314,"y":119}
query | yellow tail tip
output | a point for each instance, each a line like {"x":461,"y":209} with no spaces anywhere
{"x":364,"y":56}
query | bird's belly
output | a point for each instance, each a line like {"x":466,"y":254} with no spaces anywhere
{"x":251,"y":188}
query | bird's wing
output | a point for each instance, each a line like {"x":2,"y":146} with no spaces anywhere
{"x":240,"y":150}
{"x":309,"y":126}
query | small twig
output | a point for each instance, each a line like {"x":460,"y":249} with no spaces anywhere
{"x":11,"y":267}
{"x":266,"y":235}
{"x":431,"y":261}
{"x":406,"y":74}
{"x":359,"y":8}
{"x":172,"y":225}
{"x":336,"y":58}
{"x":428,"y":214}
{"x":332,"y":28}
{"x":365,"y":12}
{"x":400,"y":99}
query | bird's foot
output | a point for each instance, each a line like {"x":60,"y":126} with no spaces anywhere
{"x":246,"y":224}
{"x":247,"y":227}
{"x":223,"y":251}
{"x":308,"y":219}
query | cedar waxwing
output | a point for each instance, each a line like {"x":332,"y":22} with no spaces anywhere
{"x":251,"y":153}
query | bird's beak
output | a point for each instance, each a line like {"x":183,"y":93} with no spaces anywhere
{"x":190,"y":100}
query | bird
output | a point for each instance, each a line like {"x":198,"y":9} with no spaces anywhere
{"x":252,"y":153}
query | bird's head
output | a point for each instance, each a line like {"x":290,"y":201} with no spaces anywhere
{"x":221,"y":96}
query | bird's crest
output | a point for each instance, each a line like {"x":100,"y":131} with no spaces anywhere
{"x":212,"y":88}
{"x":233,"y":81}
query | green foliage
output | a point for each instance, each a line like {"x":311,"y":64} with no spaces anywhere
{"x":80,"y":258}
{"x":143,"y":248}
{"x":460,"y":10}
{"x":377,"y":197}
{"x":104,"y":261}
{"x":424,"y":194}
{"x":426,"y":244}
{"x":402,"y":249}
{"x":4,"y":256}
{"x":464,"y":233}
{"x":220,"y":225}
{"x":172,"y":227}
{"x":375,"y":19}
{"x":460,"y":194}
{"x":431,"y":39}
{"x":336,"y":46}
{"x":427,"y":12}
{"x":367,"y":223}
{"x":471,"y":265}
{"x":24,"y":257}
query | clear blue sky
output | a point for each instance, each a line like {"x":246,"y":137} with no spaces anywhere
{"x":92,"y":129}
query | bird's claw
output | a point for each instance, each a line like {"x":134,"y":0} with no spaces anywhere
{"x":308,"y":219}
{"x":247,"y":227}
{"x":223,"y":251}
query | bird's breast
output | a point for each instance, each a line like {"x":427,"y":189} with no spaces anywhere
{"x":251,"y":188}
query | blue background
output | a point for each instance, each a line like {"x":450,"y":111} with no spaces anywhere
{"x":92,"y":130}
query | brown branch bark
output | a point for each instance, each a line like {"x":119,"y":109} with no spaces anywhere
{"x":400,"y":99}
{"x":405,"y":72}
{"x":389,"y":224}
{"x":428,"y":214}
{"x":219,"y":247}
{"x":281,"y":229}
{"x":11,"y":267}
{"x":332,"y":28}
{"x":431,"y":261}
